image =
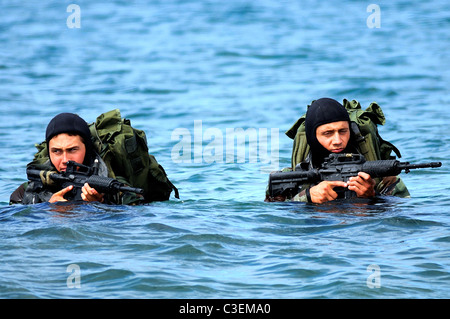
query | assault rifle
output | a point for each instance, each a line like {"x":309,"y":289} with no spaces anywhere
{"x":77,"y":175}
{"x":337,"y":167}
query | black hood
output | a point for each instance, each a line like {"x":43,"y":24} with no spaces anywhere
{"x":73,"y":124}
{"x":322,"y":111}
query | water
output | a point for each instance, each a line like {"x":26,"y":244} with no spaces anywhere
{"x":233,"y":64}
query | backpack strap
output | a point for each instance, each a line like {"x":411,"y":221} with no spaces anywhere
{"x":300,"y":147}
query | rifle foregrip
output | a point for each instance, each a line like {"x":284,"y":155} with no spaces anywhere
{"x":108,"y":185}
{"x":381,"y":168}
{"x":102,"y":184}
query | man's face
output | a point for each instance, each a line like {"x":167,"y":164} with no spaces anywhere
{"x":334,"y":136}
{"x":63,"y":148}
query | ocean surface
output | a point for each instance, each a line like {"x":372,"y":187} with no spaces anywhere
{"x":215,"y":84}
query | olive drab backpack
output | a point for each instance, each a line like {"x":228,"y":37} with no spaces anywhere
{"x":124,"y":151}
{"x":364,"y":127}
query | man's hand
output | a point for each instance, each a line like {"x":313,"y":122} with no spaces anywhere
{"x":59,"y":196}
{"x":363,"y":185}
{"x":89,"y":194}
{"x":324,"y":191}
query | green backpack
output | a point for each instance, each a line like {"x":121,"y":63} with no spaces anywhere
{"x":370,"y":143}
{"x":124,"y":151}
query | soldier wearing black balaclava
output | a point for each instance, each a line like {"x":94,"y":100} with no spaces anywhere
{"x":323,"y":111}
{"x":327,"y":130}
{"x":32,"y":192}
{"x":72,"y":124}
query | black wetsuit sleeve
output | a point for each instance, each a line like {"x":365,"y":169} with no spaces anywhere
{"x":17,"y":196}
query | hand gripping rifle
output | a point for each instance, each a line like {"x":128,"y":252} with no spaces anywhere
{"x":337,"y":167}
{"x":77,"y":175}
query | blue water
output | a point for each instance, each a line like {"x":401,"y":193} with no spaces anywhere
{"x":226,"y":64}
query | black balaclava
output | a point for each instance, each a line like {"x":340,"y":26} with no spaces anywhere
{"x":322,"y":111}
{"x":71,"y":123}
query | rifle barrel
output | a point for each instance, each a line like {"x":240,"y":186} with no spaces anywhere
{"x":422,"y":165}
{"x":293,"y":176}
{"x":131,"y":189}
